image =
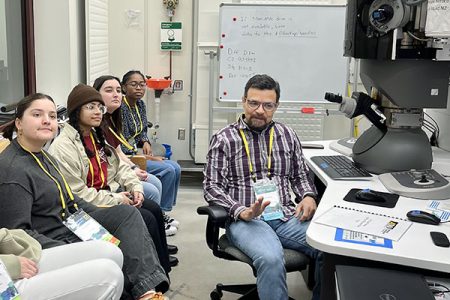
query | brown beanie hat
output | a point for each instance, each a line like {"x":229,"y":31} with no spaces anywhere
{"x":80,"y":95}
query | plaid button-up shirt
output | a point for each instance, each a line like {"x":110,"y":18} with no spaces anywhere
{"x":227,"y":180}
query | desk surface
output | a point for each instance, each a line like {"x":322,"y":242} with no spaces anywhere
{"x":415,"y":248}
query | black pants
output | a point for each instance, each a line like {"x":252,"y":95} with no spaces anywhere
{"x":141,"y":268}
{"x":153,"y":218}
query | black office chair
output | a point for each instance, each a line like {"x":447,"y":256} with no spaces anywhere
{"x":222,"y":248}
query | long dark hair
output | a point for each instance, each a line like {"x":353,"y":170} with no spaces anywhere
{"x":74,"y":120}
{"x":116,"y":116}
{"x":22,"y":106}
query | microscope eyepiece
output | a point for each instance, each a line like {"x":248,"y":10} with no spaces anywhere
{"x":333,"y":97}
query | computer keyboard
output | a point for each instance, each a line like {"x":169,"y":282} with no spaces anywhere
{"x":340,"y":167}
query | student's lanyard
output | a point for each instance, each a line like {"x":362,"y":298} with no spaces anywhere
{"x":120,"y":137}
{"x":58,"y":185}
{"x":91,"y":167}
{"x":134,"y":120}
{"x":269,"y":156}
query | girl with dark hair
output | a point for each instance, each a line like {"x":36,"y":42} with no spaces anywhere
{"x":110,"y":89}
{"x":134,"y":118}
{"x":20,"y":109}
{"x":95,"y":172}
{"x":111,"y":126}
{"x":35,"y":197}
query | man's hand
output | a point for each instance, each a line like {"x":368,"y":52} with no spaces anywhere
{"x":305,"y":209}
{"x":254,"y":210}
{"x":28,"y":268}
{"x":143,"y":175}
{"x":147,"y":149}
{"x":138,"y":199}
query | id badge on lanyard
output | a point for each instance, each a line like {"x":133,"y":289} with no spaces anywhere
{"x":7,"y":289}
{"x":132,"y":142}
{"x":88,"y":229}
{"x":269,"y":191}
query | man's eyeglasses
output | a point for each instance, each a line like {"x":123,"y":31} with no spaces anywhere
{"x":91,"y":107}
{"x":268,"y":106}
{"x":135,"y":84}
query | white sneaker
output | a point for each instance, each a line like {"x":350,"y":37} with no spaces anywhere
{"x":170,"y":221}
{"x":170,"y":230}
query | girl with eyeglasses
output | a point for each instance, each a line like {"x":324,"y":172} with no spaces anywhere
{"x":95,"y":172}
{"x":134,"y":118}
{"x":35,"y":196}
{"x":110,"y":89}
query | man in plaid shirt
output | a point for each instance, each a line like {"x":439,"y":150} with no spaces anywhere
{"x":257,"y":152}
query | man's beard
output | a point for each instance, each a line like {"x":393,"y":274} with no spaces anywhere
{"x":256,"y":128}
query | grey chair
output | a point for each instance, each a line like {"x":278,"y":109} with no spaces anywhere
{"x":222,"y":248}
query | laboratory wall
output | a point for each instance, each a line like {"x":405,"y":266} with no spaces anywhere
{"x":207,"y":41}
{"x":11,"y":55}
{"x":60,"y":47}
{"x":133,"y":38}
{"x":3,"y":52}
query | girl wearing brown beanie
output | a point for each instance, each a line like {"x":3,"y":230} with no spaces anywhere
{"x":95,"y":172}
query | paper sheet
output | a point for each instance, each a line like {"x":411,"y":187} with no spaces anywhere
{"x":388,"y":227}
{"x":438,"y":18}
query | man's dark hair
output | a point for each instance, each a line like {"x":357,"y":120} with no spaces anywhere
{"x":262,"y":82}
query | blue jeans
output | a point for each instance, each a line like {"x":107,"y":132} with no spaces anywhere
{"x":263,"y":241}
{"x":169,"y":173}
{"x":152,"y":189}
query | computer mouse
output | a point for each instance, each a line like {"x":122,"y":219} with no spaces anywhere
{"x":368,"y":195}
{"x":421,"y":216}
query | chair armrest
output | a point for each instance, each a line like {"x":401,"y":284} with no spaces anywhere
{"x":216,"y":213}
{"x":217,"y":217}
{"x":140,"y":161}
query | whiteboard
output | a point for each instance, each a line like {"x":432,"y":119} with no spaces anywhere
{"x":300,"y":46}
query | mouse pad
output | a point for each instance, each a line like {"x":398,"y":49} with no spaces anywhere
{"x":391,"y":199}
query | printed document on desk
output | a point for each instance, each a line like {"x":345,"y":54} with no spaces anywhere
{"x":385,"y":226}
{"x":440,"y":209}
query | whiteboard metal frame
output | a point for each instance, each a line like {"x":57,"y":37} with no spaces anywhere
{"x":217,"y":98}
{"x":214,"y":88}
